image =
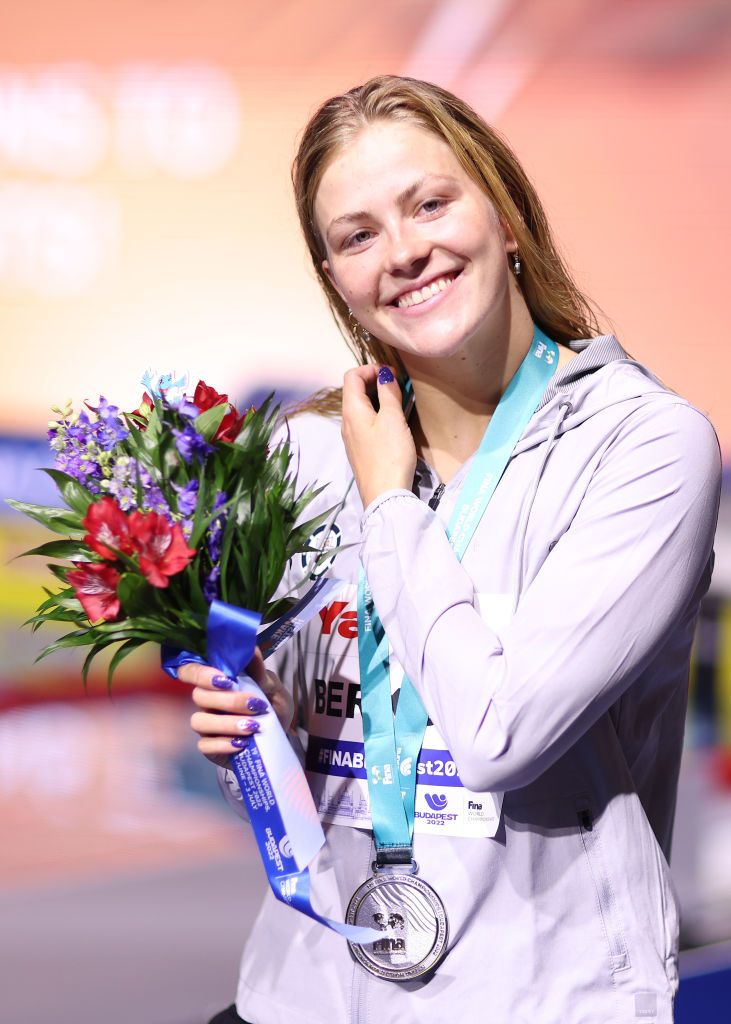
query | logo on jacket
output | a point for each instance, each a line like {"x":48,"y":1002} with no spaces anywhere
{"x":437,"y":801}
{"x":322,"y":543}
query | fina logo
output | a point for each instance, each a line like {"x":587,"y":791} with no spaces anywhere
{"x":436,"y":801}
{"x":285,"y":846}
{"x":321,"y":544}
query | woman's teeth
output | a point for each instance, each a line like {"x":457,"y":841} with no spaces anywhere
{"x":422,"y":294}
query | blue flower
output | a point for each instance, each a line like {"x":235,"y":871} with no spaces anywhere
{"x":187,"y":498}
{"x":211,"y":588}
{"x":215,"y":530}
{"x":190,"y":443}
{"x":154,"y":501}
{"x":109,"y":429}
{"x":186,"y":408}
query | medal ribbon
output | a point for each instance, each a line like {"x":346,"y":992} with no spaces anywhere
{"x":273,"y":786}
{"x":392,"y":743}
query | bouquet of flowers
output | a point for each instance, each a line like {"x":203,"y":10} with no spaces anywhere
{"x":178,"y":522}
{"x":167,"y":508}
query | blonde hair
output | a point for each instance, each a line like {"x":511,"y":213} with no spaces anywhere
{"x":553,"y":298}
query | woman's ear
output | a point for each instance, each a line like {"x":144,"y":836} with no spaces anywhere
{"x":511,"y":243}
{"x":329,"y":275}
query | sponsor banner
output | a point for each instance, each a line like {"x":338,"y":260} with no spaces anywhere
{"x":336,"y":772}
{"x":347,"y":760}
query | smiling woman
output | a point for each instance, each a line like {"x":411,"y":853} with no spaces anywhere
{"x":386,"y":262}
{"x":493,"y":707}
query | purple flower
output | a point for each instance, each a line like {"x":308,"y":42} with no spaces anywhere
{"x":153,"y":500}
{"x":187,"y":408}
{"x":187,"y":498}
{"x":109,"y":429}
{"x":190,"y":443}
{"x":215,"y":530}
{"x":81,"y":468}
{"x":80,"y":430}
{"x":211,"y":588}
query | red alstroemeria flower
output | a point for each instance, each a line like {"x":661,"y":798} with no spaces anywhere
{"x":108,"y":529}
{"x":230,"y":426}
{"x":95,"y":586}
{"x":162,"y":548}
{"x":206,"y":397}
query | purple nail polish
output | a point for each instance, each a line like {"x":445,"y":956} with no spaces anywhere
{"x":385,"y":376}
{"x":222,"y":682}
{"x":240,"y":741}
{"x":248,"y":725}
{"x":257,"y":706}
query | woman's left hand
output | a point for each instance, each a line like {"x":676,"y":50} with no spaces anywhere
{"x":379,"y":445}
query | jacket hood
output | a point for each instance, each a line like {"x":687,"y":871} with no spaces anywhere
{"x":602,"y":375}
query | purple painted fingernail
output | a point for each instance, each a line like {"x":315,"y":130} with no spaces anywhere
{"x":240,"y":741}
{"x":222,"y":682}
{"x":248,"y":725}
{"x":257,"y":706}
{"x":385,"y":376}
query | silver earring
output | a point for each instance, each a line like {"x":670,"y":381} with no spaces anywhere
{"x":360,"y":334}
{"x":516,"y":262}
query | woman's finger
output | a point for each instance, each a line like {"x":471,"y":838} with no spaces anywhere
{"x":206,"y":676}
{"x":256,"y":669}
{"x":211,"y":678}
{"x":389,"y":392}
{"x":219,"y":750}
{"x":356,"y":385}
{"x":238,"y":702}
{"x":207,"y":723}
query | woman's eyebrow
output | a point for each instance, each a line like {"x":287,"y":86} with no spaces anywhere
{"x":401,"y":199}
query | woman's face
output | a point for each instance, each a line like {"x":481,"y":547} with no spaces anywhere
{"x":413,"y":246}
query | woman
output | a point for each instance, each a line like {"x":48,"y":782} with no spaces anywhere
{"x":545,"y":623}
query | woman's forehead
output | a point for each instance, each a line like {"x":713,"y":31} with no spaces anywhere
{"x":379,"y":163}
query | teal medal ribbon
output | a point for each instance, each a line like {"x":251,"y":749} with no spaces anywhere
{"x":392,"y":743}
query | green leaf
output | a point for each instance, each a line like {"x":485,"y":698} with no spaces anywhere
{"x":59,"y":571}
{"x":73,"y":493}
{"x":58,"y":520}
{"x":79,"y":638}
{"x":120,"y":654}
{"x":209,"y":421}
{"x":151,"y":435}
{"x":96,"y":649}
{"x":136,"y":594}
{"x":59,"y":614}
{"x":70,"y":549}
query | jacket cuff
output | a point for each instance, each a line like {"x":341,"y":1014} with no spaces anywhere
{"x":392,"y":495}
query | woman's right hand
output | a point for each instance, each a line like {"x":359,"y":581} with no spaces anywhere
{"x":227,"y":717}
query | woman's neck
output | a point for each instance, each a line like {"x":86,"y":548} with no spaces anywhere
{"x":456,"y":397}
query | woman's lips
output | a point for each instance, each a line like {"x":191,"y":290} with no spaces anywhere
{"x":439,"y":288}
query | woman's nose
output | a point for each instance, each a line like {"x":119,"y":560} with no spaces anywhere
{"x":407,"y":249}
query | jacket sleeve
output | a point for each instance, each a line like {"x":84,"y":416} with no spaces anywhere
{"x":635,"y":558}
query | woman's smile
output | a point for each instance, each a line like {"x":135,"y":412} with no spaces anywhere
{"x":425,"y":297}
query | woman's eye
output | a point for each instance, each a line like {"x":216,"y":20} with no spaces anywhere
{"x":432,"y":205}
{"x":356,"y":239}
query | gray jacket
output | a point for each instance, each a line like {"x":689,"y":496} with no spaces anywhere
{"x":553,"y":663}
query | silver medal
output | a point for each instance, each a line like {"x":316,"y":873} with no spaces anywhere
{"x":412,"y":919}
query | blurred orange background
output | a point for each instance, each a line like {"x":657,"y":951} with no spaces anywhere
{"x":146,"y":212}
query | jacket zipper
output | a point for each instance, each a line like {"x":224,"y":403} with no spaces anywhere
{"x":436,"y":497}
{"x":606,"y":899}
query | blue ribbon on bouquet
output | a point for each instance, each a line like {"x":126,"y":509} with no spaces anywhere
{"x":273,"y":786}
